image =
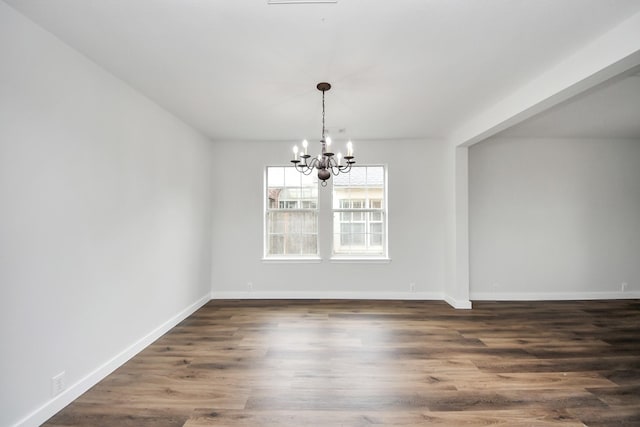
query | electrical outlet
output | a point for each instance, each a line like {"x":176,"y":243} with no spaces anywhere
{"x":412,"y":287}
{"x":58,"y":384}
{"x":623,"y":286}
{"x":250,"y":286}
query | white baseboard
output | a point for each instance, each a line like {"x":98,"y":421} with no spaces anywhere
{"x":419,"y":296}
{"x":74,"y":391}
{"x":328,"y":295}
{"x":551,"y":296}
{"x":438,"y":296}
{"x":458,"y":304}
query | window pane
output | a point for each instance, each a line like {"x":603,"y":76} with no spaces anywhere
{"x":360,"y":229}
{"x":357,"y":231}
{"x":276,"y":245}
{"x":292,"y":215}
{"x":310,"y":222}
{"x":292,"y":233}
{"x":292,"y":178}
{"x":375,"y":228}
{"x":310,"y":244}
{"x":275,"y":177}
{"x":345,"y":242}
{"x":276,"y":223}
{"x":292,"y":244}
{"x":342,"y":179}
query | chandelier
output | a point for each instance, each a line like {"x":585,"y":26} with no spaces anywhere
{"x":326,"y":163}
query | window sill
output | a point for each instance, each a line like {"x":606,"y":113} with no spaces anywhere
{"x":360,"y":260}
{"x":292,"y":260}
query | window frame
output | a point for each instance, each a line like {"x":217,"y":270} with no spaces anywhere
{"x":366,"y":212}
{"x":267,"y":210}
{"x":325,"y":235}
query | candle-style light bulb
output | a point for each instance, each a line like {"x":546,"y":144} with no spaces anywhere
{"x":328,"y":140}
{"x":295,"y":152}
{"x":305,"y":144}
{"x":339,"y":156}
{"x":349,"y":148}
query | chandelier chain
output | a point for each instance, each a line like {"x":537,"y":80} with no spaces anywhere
{"x":323,"y":115}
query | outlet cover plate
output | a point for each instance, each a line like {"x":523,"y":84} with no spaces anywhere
{"x":58,"y":384}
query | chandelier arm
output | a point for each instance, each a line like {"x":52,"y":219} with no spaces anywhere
{"x":306,"y":168}
{"x":306,"y":163}
{"x":346,"y":168}
{"x":334,"y":167}
{"x":307,"y":171}
{"x":313,"y":164}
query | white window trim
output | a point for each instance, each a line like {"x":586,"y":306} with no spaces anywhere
{"x":363,"y":258}
{"x":327,"y":240}
{"x":307,"y":258}
{"x":360,"y":259}
{"x":275,"y":259}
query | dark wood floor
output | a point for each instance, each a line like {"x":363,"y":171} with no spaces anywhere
{"x":388,"y":363}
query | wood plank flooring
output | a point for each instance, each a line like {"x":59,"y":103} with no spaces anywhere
{"x":387,"y":363}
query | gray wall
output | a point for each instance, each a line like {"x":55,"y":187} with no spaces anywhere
{"x":416,"y":226}
{"x":105,"y":220}
{"x":554,"y":219}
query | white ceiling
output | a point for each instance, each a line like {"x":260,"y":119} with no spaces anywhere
{"x":243,"y":69}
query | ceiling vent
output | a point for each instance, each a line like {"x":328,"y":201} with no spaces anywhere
{"x":300,"y":1}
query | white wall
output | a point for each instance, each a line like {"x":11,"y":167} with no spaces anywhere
{"x":105,"y":220}
{"x":554,"y":219}
{"x":416,"y":226}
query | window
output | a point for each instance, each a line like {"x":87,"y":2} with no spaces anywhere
{"x":359,"y":212}
{"x":291,"y":223}
{"x":357,"y":222}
